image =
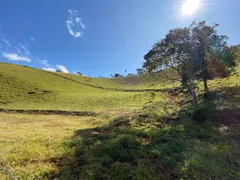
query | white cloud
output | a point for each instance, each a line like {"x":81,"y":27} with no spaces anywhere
{"x":49,"y":69}
{"x":79,"y":21}
{"x":32,"y":38}
{"x":14,"y":52}
{"x":15,"y":57}
{"x":74,"y":24}
{"x":62,"y":68}
{"x":45,"y":63}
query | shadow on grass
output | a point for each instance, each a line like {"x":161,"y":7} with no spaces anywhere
{"x":149,"y":147}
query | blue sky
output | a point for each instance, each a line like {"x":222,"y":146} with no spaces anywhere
{"x":99,"y":38}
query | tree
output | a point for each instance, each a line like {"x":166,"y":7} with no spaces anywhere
{"x":78,"y":73}
{"x":59,"y":70}
{"x":195,"y":52}
{"x":116,"y":75}
{"x":130,"y":74}
{"x":206,"y":43}
{"x":215,"y":67}
{"x":140,"y":71}
{"x":229,"y":55}
{"x":175,"y":52}
{"x":219,"y":63}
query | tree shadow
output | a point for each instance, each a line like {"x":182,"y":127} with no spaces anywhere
{"x":147,"y":146}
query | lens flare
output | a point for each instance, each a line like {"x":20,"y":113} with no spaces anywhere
{"x":190,"y":6}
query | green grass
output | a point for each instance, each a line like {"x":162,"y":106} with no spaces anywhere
{"x":30,"y":145}
{"x":135,"y":82}
{"x":147,"y":146}
{"x":28,"y":88}
{"x":135,"y":135}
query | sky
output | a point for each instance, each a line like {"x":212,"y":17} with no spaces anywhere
{"x":99,"y":38}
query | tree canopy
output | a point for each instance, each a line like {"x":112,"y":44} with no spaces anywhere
{"x":193,"y":53}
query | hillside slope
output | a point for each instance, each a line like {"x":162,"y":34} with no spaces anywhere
{"x":28,"y":88}
{"x":130,"y":135}
{"x":154,"y":81}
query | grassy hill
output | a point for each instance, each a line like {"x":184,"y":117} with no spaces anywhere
{"x":73,"y":127}
{"x":135,"y":82}
{"x":28,"y":88}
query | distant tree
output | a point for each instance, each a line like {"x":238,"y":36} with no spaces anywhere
{"x":59,"y":70}
{"x":130,"y":74}
{"x":78,"y":73}
{"x":140,"y":71}
{"x":116,"y":75}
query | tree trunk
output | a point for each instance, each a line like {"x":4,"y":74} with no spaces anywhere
{"x":194,"y":97}
{"x":206,"y":90}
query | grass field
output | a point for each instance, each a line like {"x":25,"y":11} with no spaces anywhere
{"x":21,"y":91}
{"x":120,"y":134}
{"x":31,"y":145}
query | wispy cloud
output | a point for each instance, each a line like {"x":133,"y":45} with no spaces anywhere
{"x":32,"y":38}
{"x":25,"y":50}
{"x":14,"y":52}
{"x":18,"y":50}
{"x":49,"y":69}
{"x":62,"y":68}
{"x":45,"y":63}
{"x":6,"y":42}
{"x":15,"y":57}
{"x":74,"y":24}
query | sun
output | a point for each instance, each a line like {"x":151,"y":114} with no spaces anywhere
{"x":190,"y":6}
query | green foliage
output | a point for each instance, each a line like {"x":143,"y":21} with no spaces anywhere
{"x":211,"y":162}
{"x":195,"y":52}
{"x":116,"y":75}
{"x":121,"y":171}
{"x":140,"y":71}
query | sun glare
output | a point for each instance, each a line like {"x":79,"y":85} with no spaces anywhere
{"x":190,"y":6}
